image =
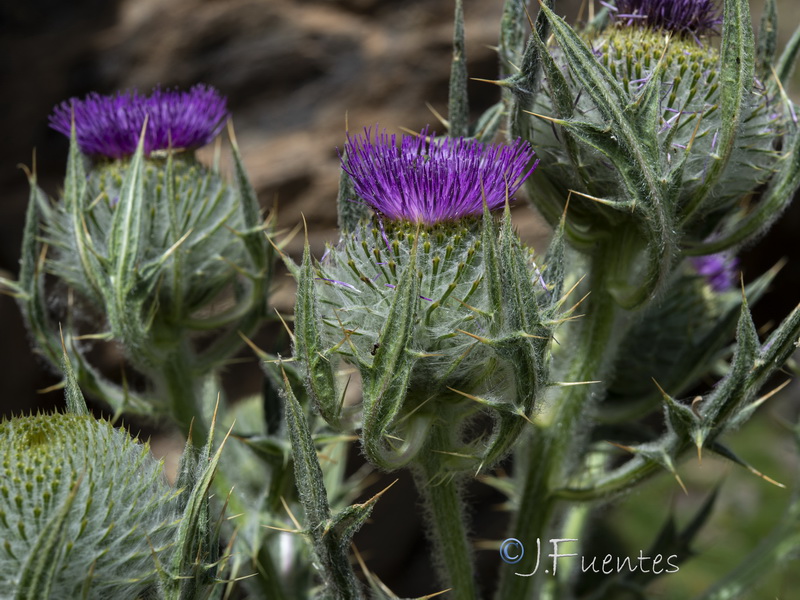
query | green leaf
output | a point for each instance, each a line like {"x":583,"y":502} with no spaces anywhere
{"x":555,"y":265}
{"x":513,"y":27}
{"x":76,"y":175}
{"x":308,"y":473}
{"x":330,"y":549}
{"x":127,"y":228}
{"x":767,"y":40}
{"x":722,"y":404}
{"x":788,"y":58}
{"x":76,"y":403}
{"x":492,"y":272}
{"x":192,"y":566}
{"x":778,"y":348}
{"x":351,"y":210}
{"x":254,"y":240}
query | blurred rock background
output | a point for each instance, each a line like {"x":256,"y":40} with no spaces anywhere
{"x":295,"y":72}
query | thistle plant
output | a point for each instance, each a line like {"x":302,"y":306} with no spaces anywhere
{"x":655,"y":153}
{"x":441,"y":308}
{"x":654,"y":135}
{"x":651,"y":142}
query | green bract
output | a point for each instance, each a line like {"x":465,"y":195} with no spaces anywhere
{"x":85,"y":510}
{"x":685,"y":126}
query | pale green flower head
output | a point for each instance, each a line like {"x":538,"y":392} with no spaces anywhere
{"x":85,"y":510}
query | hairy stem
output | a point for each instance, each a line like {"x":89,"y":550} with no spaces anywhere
{"x":562,"y":439}
{"x":181,"y":388}
{"x":447,"y":530}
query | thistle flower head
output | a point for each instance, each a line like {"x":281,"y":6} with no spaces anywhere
{"x":111,"y":125}
{"x":684,"y":17}
{"x":428,"y":180}
{"x":719,"y":270}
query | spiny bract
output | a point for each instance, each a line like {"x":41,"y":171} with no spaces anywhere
{"x":688,"y":122}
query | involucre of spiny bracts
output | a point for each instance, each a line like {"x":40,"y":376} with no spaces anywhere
{"x":686,"y":126}
{"x":145,"y":231}
{"x":440,"y":306}
{"x":85,"y":510}
{"x":659,"y":143}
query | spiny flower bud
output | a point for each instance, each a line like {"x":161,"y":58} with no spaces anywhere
{"x":655,"y":136}
{"x":445,"y":315}
{"x":689,"y":121}
{"x":85,"y":510}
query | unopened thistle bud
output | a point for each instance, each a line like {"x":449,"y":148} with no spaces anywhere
{"x":85,"y":510}
{"x":647,"y":128}
{"x":442,"y":310}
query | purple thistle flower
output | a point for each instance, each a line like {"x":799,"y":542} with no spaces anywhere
{"x":718,"y":269}
{"x":429,"y":180}
{"x":110,"y":125}
{"x":685,"y":17}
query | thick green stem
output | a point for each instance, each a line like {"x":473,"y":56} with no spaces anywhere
{"x":447,"y":530}
{"x":562,"y":438}
{"x":181,"y":387}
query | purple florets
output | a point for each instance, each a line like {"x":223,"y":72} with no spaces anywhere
{"x":685,"y":17}
{"x":111,"y":125}
{"x":719,"y":270}
{"x":429,"y":180}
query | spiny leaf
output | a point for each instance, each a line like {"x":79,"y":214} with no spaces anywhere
{"x":788,"y":59}
{"x":76,"y":404}
{"x":767,"y":40}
